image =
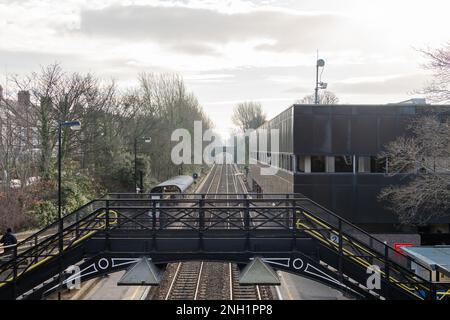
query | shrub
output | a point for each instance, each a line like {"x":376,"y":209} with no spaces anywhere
{"x":45,"y":212}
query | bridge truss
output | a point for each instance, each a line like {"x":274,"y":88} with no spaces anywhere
{"x":289,"y":232}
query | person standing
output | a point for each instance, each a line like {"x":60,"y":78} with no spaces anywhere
{"x":8,"y":241}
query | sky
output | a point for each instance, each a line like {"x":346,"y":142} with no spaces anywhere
{"x":233,"y":50}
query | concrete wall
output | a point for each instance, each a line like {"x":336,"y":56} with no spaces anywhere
{"x":282,"y":182}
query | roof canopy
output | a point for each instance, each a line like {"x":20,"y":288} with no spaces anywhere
{"x":436,"y":257}
{"x":178,"y":184}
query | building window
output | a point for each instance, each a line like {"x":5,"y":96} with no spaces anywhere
{"x":304,"y":164}
{"x":343,"y":164}
{"x":364,"y":164}
{"x":317,"y":163}
{"x":329,"y":164}
{"x":378,"y":165}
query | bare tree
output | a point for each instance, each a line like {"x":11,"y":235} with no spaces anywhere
{"x":325,"y":97}
{"x":248,"y":115}
{"x":100,"y":156}
{"x":423,"y":158}
{"x":57,"y":97}
{"x":438,"y":90}
{"x":8,"y":150}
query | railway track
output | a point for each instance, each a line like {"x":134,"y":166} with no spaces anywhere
{"x":204,"y":280}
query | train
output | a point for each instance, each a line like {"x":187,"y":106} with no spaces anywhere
{"x":172,"y":187}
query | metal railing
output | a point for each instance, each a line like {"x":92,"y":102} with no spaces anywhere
{"x":290,"y":214}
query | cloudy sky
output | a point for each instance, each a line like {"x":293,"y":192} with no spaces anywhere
{"x":232,"y":50}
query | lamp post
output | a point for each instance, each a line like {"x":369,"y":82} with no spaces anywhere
{"x":74,"y":125}
{"x":146,"y":140}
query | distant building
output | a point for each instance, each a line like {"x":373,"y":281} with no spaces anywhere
{"x":18,"y":134}
{"x":329,"y":154}
{"x":15,"y":117}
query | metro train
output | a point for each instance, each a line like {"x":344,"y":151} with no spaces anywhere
{"x":174,"y":186}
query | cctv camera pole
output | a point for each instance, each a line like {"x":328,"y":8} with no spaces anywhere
{"x":319,"y":85}
{"x":316,"y":90}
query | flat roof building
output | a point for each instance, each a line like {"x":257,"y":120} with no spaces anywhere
{"x":329,"y":153}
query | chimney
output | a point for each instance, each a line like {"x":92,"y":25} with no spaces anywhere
{"x":23,"y":98}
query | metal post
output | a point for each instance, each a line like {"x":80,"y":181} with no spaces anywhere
{"x":201,"y":214}
{"x":15,"y":272}
{"x":386,"y":269}
{"x":341,"y":256}
{"x":77,"y":226}
{"x":247,"y":222}
{"x":153,"y":215}
{"x":135,"y":164}
{"x":316,"y":90}
{"x":107,"y":216}
{"x":154,"y":227}
{"x":433,"y":290}
{"x":72,"y":124}
{"x":246,"y":213}
{"x":294,"y":225}
{"x":61,"y":223}
{"x":286,"y":218}
{"x":107,"y":244}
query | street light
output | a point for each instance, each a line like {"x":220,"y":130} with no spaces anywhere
{"x":74,"y":125}
{"x":146,"y":140}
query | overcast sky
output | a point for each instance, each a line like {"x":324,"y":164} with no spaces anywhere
{"x":235,"y":50}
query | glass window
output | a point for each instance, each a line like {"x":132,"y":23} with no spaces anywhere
{"x":301,"y":163}
{"x":364,"y":164}
{"x":377,"y":165}
{"x":304,"y":164}
{"x":329,"y":164}
{"x":317,"y":163}
{"x":343,"y":164}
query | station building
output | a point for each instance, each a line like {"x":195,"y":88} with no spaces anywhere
{"x":330,"y":153}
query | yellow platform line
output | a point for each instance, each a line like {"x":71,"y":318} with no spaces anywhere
{"x":357,"y":245}
{"x":358,"y":260}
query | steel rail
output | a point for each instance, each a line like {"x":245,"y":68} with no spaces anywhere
{"x":180,"y":265}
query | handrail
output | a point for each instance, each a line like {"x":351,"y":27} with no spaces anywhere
{"x":286,"y":202}
{"x":202,"y":194}
{"x":288,"y":199}
{"x":48,"y":240}
{"x":385,"y":245}
{"x":56,"y":223}
{"x":9,"y":246}
{"x":379,"y":255}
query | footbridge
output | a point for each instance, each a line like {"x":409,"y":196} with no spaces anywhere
{"x":287,"y":231}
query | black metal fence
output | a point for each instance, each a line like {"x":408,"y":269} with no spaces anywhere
{"x":291,"y":214}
